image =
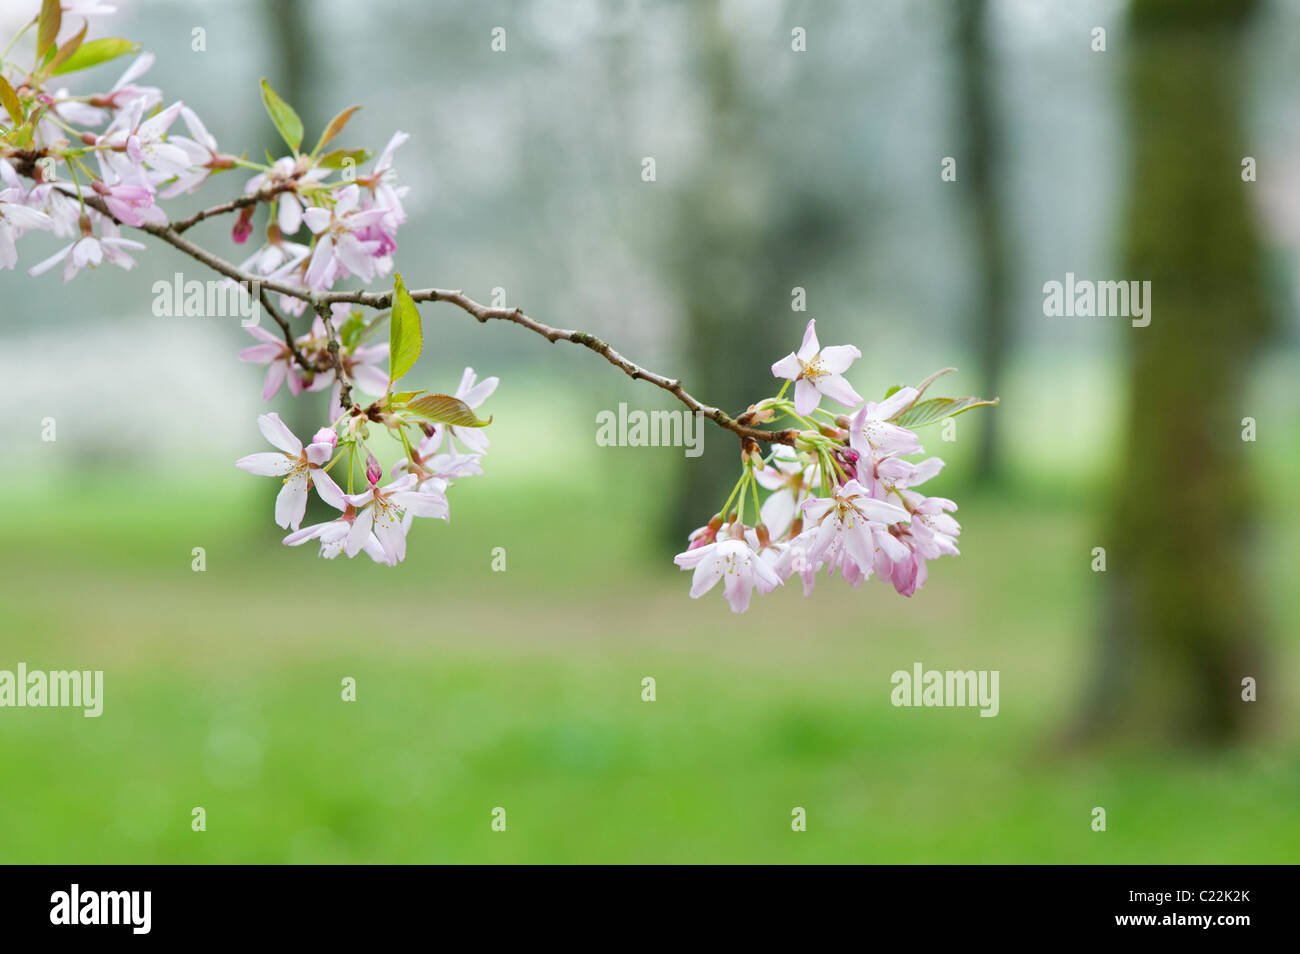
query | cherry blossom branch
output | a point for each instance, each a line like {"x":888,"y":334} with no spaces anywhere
{"x":841,"y":494}
{"x":633,"y":370}
{"x":234,"y":205}
{"x":381,"y":300}
{"x":335,"y":352}
{"x":303,"y":361}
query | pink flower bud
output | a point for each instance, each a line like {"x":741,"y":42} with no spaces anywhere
{"x":243,"y":226}
{"x":373,"y":471}
{"x":326,"y":435}
{"x":848,"y":459}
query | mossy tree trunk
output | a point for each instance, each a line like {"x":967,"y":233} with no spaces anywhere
{"x":1181,"y":627}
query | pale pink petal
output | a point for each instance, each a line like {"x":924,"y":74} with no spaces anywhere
{"x":480,"y":392}
{"x":275,"y":373}
{"x":267,"y":464}
{"x":47,"y":264}
{"x":777,"y":512}
{"x":837,"y":358}
{"x":765,"y":577}
{"x":881,"y":510}
{"x":788,"y":367}
{"x":370,"y":379}
{"x":289,"y":217}
{"x":838,"y":389}
{"x":806,"y":397}
{"x":261,"y":353}
{"x":707,"y":574}
{"x":275,"y":431}
{"x":809,"y":348}
{"x":328,"y":490}
{"x":893,"y":404}
{"x":738,"y":590}
{"x":291,"y":501}
{"x":317,"y":219}
{"x":360,"y":532}
{"x":306,"y":533}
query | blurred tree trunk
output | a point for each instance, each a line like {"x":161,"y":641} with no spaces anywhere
{"x":1181,"y":628}
{"x":286,"y":26}
{"x":976,"y":165}
{"x":748,"y":230}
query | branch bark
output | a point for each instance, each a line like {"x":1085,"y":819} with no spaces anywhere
{"x":171,"y":234}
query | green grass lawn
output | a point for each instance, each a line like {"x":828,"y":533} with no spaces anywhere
{"x":522,"y":690}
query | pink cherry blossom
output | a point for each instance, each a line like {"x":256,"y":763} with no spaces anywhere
{"x":339,"y":251}
{"x":291,"y":172}
{"x":298,"y":465}
{"x":791,"y":559}
{"x":382,"y":185}
{"x":280,"y":364}
{"x":384,"y":510}
{"x":204,"y":158}
{"x":130,"y":204}
{"x":132,"y":141}
{"x":333,"y":535}
{"x":818,"y":371}
{"x":734,"y":561}
{"x":276,"y":254}
{"x":856,"y":522}
{"x":873,"y":436}
{"x":15,"y":219}
{"x":125,"y":90}
{"x":91,"y":250}
{"x":932,"y":533}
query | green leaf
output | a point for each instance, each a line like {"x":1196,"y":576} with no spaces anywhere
{"x":350,"y":333}
{"x":22,"y":135}
{"x":47,"y":27}
{"x":405,"y":337}
{"x":9,"y":99}
{"x":445,"y":409}
{"x":67,"y":50}
{"x":920,"y":388}
{"x":334,"y":128}
{"x":401,"y":397}
{"x":339,"y":157}
{"x":95,"y":52}
{"x":936,"y":409}
{"x":283,"y":116}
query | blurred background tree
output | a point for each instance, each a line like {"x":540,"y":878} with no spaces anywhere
{"x":747,"y":232}
{"x":989,"y":309}
{"x":1182,"y":625}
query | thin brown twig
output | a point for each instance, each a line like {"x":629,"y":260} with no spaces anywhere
{"x":336,"y":354}
{"x":303,"y":360}
{"x":264,"y":194}
{"x":380,"y":300}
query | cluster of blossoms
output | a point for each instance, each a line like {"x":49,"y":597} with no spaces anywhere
{"x":841,"y":496}
{"x":378,"y":518}
{"x":82,"y":166}
{"x":120,"y":149}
